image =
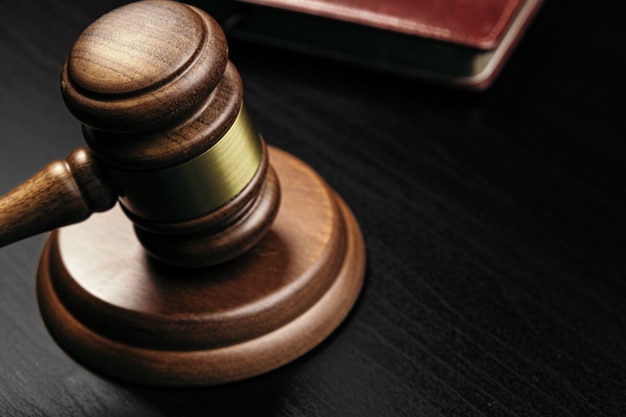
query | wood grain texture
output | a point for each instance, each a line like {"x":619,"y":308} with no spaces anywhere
{"x":176,"y":143}
{"x":143,"y":65}
{"x":494,"y":225}
{"x":64,"y":192}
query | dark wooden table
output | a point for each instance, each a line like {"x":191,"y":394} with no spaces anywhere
{"x":494,"y":222}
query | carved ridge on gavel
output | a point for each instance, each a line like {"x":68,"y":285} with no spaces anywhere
{"x":254,"y":280}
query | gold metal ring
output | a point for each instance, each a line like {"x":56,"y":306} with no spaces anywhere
{"x":200,"y":185}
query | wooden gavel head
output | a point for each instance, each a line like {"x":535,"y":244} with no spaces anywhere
{"x":163,"y":116}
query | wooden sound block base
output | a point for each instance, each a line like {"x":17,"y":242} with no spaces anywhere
{"x":116,"y":310}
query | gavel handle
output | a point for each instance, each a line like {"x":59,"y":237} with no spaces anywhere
{"x":64,"y":192}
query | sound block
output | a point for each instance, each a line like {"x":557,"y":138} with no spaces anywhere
{"x":123,"y":314}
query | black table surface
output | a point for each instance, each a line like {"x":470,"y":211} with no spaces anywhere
{"x":494,"y":224}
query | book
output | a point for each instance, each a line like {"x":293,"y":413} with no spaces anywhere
{"x":463,"y":43}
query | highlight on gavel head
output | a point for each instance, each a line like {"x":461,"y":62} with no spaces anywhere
{"x":162,"y":108}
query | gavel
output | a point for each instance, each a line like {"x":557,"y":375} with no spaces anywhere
{"x":163,"y":115}
{"x":212,"y":257}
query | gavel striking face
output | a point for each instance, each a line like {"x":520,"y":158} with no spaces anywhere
{"x":169,"y":137}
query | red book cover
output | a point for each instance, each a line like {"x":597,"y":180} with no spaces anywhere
{"x":459,"y":42}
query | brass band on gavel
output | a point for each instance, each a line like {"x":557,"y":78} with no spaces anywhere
{"x":199,"y":185}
